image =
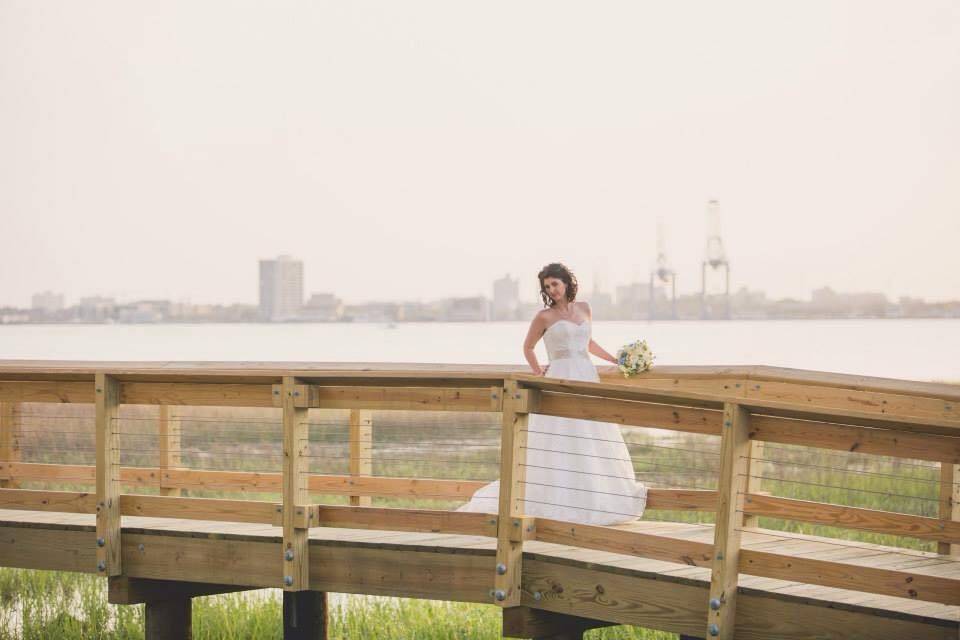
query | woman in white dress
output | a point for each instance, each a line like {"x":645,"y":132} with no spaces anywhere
{"x":576,"y":470}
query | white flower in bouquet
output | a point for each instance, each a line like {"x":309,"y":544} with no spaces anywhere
{"x":634,"y":357}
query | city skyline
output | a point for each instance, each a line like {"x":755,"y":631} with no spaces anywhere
{"x":283,"y":298}
{"x":489,"y":292}
{"x":142,"y":168}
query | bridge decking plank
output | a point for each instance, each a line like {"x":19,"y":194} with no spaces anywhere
{"x":791,"y":544}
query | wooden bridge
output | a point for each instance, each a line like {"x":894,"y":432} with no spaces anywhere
{"x":146,"y":531}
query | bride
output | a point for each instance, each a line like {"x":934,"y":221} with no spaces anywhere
{"x":576,"y":470}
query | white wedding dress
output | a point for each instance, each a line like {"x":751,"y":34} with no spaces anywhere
{"x":577,"y":470}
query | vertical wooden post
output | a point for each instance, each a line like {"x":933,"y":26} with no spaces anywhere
{"x":107,"y":394}
{"x":169,"y":434}
{"x":296,"y":494}
{"x":731,"y":486}
{"x":754,"y":483}
{"x":9,"y":440}
{"x":168,"y":619}
{"x":949,"y":502}
{"x":517,"y":405}
{"x":361,"y":450}
{"x":305,"y":615}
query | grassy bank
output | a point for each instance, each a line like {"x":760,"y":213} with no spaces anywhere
{"x":39,"y":605}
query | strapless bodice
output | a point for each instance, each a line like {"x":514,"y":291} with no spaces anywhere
{"x":567,"y":339}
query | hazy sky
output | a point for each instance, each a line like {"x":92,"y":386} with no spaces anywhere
{"x":411,"y":149}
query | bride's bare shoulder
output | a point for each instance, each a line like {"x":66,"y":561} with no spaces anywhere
{"x":585,"y":306}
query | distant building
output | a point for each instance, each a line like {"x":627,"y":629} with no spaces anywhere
{"x":633,"y":300}
{"x":322,"y":307}
{"x":281,"y":288}
{"x":144,"y":311}
{"x":506,"y":298}
{"x":601,"y":302}
{"x":96,"y":309}
{"x":48,"y":301}
{"x":827,"y":302}
{"x":373,"y":312}
{"x":473,"y":309}
{"x":421,"y":311}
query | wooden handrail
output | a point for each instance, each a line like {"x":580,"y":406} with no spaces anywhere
{"x":740,"y":405}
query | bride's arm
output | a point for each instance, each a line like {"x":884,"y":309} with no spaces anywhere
{"x":537,"y":327}
{"x":593,"y":347}
{"x":598,"y":351}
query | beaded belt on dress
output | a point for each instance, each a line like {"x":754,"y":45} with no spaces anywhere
{"x":560,"y":354}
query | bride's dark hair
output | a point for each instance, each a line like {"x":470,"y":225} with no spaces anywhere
{"x":561,"y":272}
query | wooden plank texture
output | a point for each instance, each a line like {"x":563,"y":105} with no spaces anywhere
{"x":296,"y":493}
{"x":732,"y":486}
{"x":361,"y":450}
{"x":108,"y":474}
{"x":512,"y":475}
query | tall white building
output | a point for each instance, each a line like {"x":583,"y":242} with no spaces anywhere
{"x":506,"y":298}
{"x":281,"y":288}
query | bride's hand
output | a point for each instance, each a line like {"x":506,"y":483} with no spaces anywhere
{"x":543,"y":370}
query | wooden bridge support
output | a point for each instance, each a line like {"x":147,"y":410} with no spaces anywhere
{"x":168,"y":619}
{"x":524,"y":622}
{"x":517,"y":405}
{"x":304,"y":615}
{"x":107,"y":401}
{"x":296,"y":494}
{"x":169,"y":603}
{"x":731,"y":490}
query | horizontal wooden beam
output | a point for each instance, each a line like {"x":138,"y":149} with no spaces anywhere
{"x":614,"y":594}
{"x":53,"y":391}
{"x":619,"y":391}
{"x":394,"y":398}
{"x":675,"y":605}
{"x":392,"y":519}
{"x":50,"y":548}
{"x":630,"y":412}
{"x":38,"y":500}
{"x":681,"y":499}
{"x":888,"y":522}
{"x":843,"y":575}
{"x":644,"y":545}
{"x":218,"y":509}
{"x":385,"y":486}
{"x":853,"y":439}
{"x":196,"y":394}
{"x":527,"y":622}
{"x":787,"y":409}
{"x":395,"y":487}
{"x":127,"y":590}
{"x":339,"y":568}
{"x":826,"y":573}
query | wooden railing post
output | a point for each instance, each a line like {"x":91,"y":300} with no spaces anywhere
{"x":517,"y":405}
{"x":107,"y":398}
{"x":169,"y":434}
{"x":9,"y":440}
{"x":949,"y":502}
{"x":361,"y":450}
{"x":296,"y":494}
{"x":731,"y":488}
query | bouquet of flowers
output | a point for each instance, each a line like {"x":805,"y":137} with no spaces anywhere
{"x":634,"y":357}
